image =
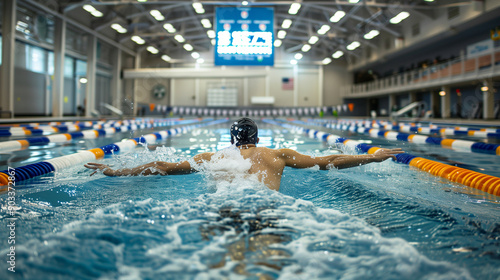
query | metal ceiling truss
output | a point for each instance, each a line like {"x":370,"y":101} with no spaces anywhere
{"x":359,"y":19}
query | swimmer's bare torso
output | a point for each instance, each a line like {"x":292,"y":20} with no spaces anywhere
{"x":267,"y":164}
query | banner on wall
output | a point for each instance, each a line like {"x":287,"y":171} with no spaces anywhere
{"x":479,"y":48}
{"x":287,"y":83}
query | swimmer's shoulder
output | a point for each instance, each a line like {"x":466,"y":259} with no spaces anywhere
{"x":269,"y":151}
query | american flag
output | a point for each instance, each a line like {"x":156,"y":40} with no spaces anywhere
{"x":287,"y":83}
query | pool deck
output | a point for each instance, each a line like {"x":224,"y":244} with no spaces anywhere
{"x":450,"y":121}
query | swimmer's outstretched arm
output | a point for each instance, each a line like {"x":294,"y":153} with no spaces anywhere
{"x":297,"y":160}
{"x":152,"y":168}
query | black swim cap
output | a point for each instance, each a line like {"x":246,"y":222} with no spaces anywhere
{"x":244,"y":131}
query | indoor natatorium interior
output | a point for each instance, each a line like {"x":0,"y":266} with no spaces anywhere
{"x":217,"y":139}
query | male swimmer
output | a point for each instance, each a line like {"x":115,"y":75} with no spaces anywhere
{"x":267,"y":164}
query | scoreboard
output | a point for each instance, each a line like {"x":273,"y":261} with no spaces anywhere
{"x":244,"y":36}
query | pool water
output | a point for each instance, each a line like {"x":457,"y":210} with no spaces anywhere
{"x":378,"y":221}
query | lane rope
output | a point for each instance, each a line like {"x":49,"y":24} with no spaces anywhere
{"x":486,"y":183}
{"x":59,"y":163}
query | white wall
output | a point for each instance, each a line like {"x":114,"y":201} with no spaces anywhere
{"x":314,"y":85}
{"x":335,"y":77}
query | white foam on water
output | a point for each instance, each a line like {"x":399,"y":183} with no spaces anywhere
{"x":229,"y":171}
{"x":185,"y":238}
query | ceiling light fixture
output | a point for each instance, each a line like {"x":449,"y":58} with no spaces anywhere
{"x":118,"y":28}
{"x":306,"y":48}
{"x":179,"y":38}
{"x":195,"y":55}
{"x":169,"y":27}
{"x":293,"y":62}
{"x":325,"y":28}
{"x":93,"y":11}
{"x":198,"y":8}
{"x":152,"y":50}
{"x":200,"y":60}
{"x":97,"y":13}
{"x":313,"y":40}
{"x":338,"y":54}
{"x":166,"y":57}
{"x":282,"y":34}
{"x":277,"y":43}
{"x":354,"y":45}
{"x":337,"y":16}
{"x":188,"y":47}
{"x":211,"y":34}
{"x":399,"y":18}
{"x":372,"y":34}
{"x":294,"y":8}
{"x":206,"y":23}
{"x":138,"y":40}
{"x":286,"y":23}
{"x":157,"y":15}
{"x":326,"y":61}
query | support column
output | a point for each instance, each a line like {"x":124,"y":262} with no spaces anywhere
{"x":434,"y":103}
{"x":59,"y":55}
{"x":392,"y":103}
{"x":197,"y":92}
{"x":320,"y":86}
{"x":8,"y":47}
{"x":295,"y":85}
{"x":137,"y":65}
{"x":489,"y":101}
{"x":117,"y":80}
{"x":91,"y":76}
{"x":445,"y":103}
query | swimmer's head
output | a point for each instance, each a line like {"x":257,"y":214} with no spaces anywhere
{"x":244,"y":131}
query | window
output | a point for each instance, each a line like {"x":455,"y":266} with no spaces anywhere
{"x":453,"y":12}
{"x":34,"y":26}
{"x":76,"y":40}
{"x":69,"y":70}
{"x":30,"y":57}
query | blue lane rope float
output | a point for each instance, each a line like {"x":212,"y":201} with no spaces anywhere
{"x":56,"y":164}
{"x":36,"y":129}
{"x":419,"y":128}
{"x":15,"y":145}
{"x":459,"y":145}
{"x":480,"y":181}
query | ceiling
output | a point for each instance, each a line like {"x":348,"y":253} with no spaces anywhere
{"x":360,"y":18}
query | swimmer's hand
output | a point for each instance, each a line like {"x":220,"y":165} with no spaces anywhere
{"x":106,"y":170}
{"x":383,"y":154}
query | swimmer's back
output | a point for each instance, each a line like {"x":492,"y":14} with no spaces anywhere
{"x":267,"y":163}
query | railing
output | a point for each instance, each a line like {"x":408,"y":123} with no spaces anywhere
{"x":459,"y":70}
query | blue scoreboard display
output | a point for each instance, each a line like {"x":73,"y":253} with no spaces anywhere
{"x":244,"y":36}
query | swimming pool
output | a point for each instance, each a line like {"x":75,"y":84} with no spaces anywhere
{"x":378,"y":221}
